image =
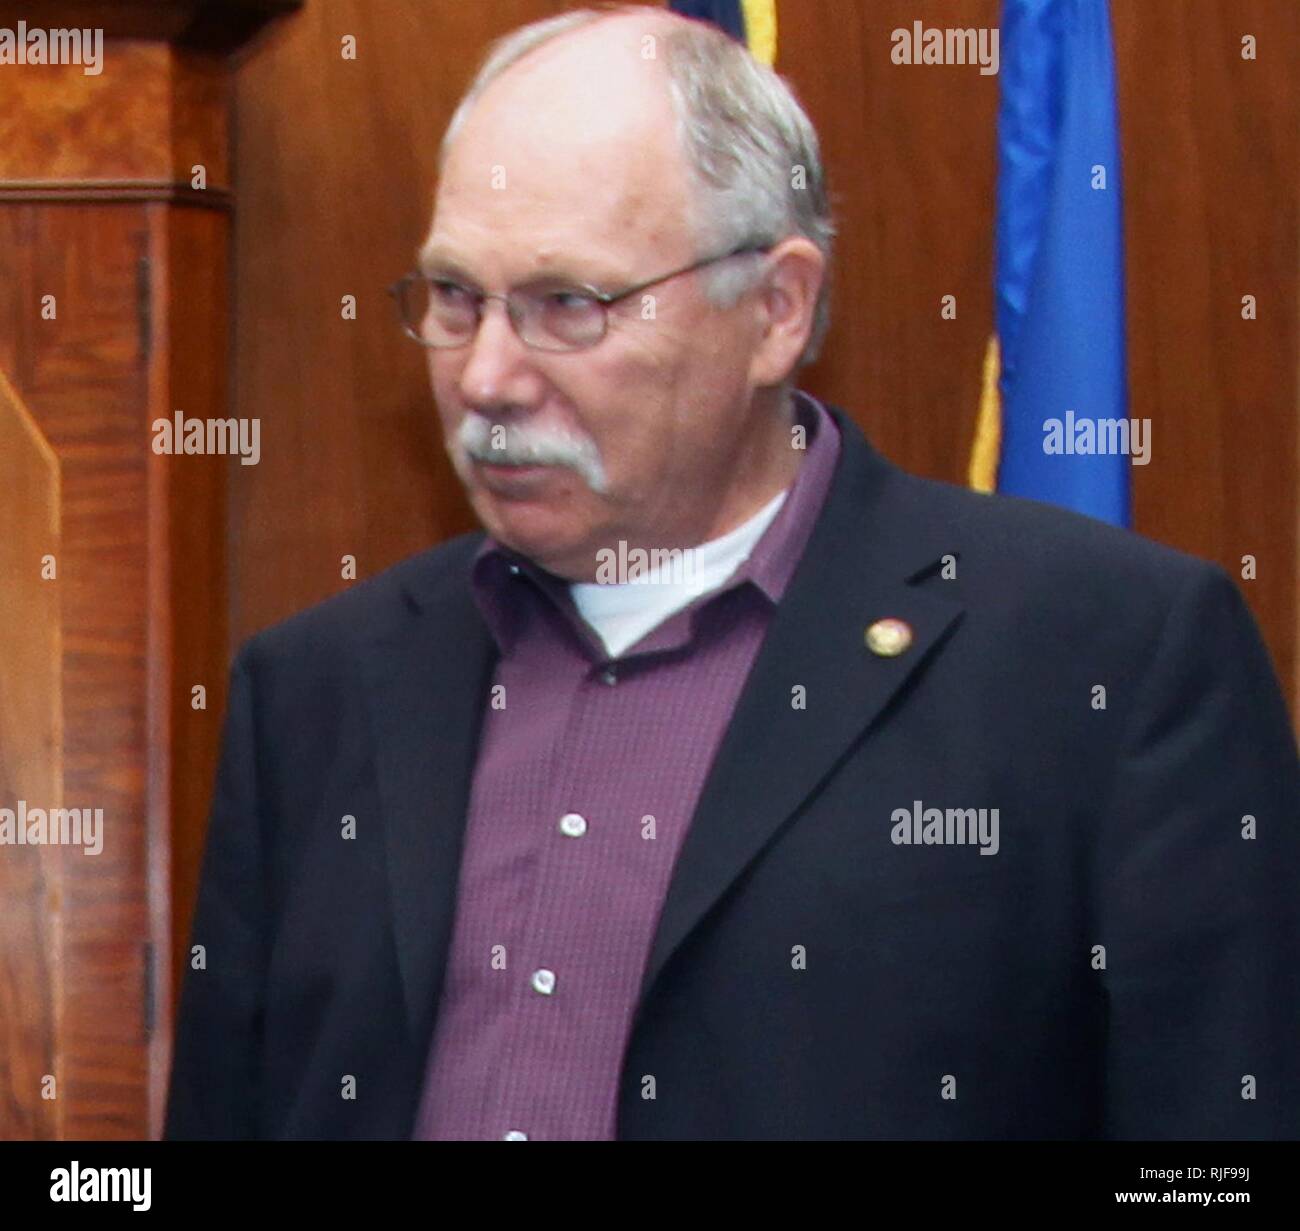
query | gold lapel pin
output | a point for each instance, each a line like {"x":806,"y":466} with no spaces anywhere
{"x":889,"y":638}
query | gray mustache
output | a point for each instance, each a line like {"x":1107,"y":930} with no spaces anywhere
{"x":524,"y":446}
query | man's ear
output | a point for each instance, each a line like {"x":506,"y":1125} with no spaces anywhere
{"x":786,"y":303}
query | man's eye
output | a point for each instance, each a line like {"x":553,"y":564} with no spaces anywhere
{"x":448,"y":292}
{"x":569,"y":301}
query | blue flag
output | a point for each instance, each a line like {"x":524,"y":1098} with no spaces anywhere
{"x":752,"y":22}
{"x":724,"y":13}
{"x":1060,"y":261}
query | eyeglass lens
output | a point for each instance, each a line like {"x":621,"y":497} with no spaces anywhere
{"x":441,"y":313}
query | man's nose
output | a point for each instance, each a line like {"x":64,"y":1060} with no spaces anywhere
{"x":497,"y":368}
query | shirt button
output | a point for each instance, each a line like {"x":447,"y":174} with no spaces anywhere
{"x":572,"y":825}
{"x":544,"y":981}
{"x":610,"y":675}
{"x":515,"y":1135}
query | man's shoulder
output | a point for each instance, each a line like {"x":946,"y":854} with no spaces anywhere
{"x":1001,"y":548}
{"x":1009,"y":546}
{"x":1051,"y":590}
{"x":333,"y":625}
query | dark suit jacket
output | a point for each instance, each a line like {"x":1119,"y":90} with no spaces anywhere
{"x":1124,"y":966}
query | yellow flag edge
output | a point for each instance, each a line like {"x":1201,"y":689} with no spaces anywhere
{"x":986,"y":451}
{"x":760,"y":29}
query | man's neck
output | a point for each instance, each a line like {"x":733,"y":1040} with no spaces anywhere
{"x":774,"y":470}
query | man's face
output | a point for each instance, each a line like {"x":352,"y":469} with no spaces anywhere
{"x":568,"y":167}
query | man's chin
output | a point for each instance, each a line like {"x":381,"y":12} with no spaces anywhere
{"x":531,"y":529}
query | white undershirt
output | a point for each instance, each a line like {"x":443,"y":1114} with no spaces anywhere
{"x":623,"y":614}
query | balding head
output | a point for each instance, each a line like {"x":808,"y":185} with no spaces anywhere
{"x":582,"y":131}
{"x":604,"y":68}
{"x":588,"y":41}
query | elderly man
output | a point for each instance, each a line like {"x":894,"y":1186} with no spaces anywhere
{"x":870,"y":807}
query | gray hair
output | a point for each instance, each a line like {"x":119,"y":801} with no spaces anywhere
{"x":751,"y":151}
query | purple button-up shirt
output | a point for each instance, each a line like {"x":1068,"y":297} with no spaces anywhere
{"x":588,"y":774}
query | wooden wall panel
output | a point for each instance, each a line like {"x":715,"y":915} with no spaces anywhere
{"x":188,"y":584}
{"x":335,"y":166}
{"x":82,"y":378}
{"x":148,"y":119}
{"x":31,"y":748}
{"x":1212,"y":164}
{"x":97,"y":211}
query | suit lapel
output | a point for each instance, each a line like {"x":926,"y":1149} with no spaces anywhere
{"x":867,"y":545}
{"x":427,"y":674}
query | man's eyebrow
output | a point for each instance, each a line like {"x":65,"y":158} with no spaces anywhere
{"x":435,"y":261}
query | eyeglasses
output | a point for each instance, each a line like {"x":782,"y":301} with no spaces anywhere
{"x":546,"y":315}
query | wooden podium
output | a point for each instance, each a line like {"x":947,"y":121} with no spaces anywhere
{"x":115,"y":216}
